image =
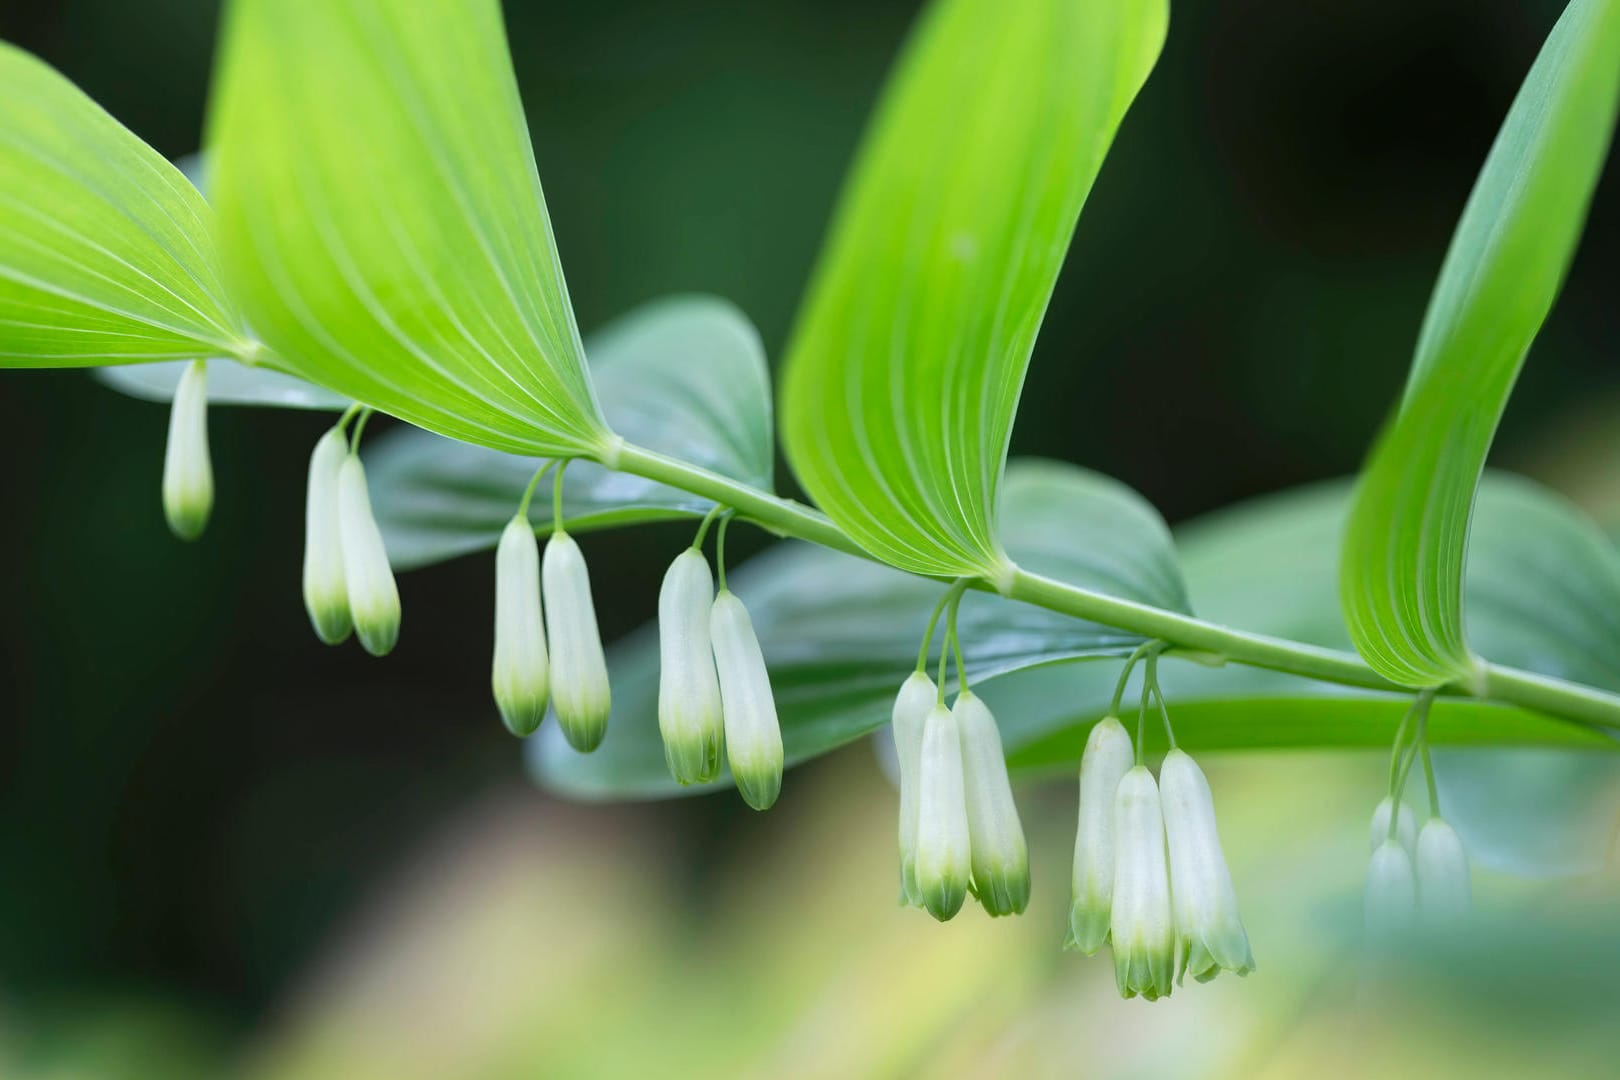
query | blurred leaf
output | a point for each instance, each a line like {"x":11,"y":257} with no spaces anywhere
{"x":686,"y":376}
{"x":382,"y":219}
{"x":229,"y":383}
{"x":1402,"y":577}
{"x":106,"y":252}
{"x":909,"y":357}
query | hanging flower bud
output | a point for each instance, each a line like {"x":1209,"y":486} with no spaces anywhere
{"x":373,"y":597}
{"x":579,"y":678}
{"x":1143,"y":929}
{"x":1444,"y":895}
{"x":326,"y":596}
{"x":917,"y":695}
{"x":1391,"y":893}
{"x":1107,"y":758}
{"x":1209,"y":935}
{"x":753,"y":736}
{"x":188,"y":477}
{"x":944,"y":850}
{"x":1405,"y":828}
{"x":519,"y":674}
{"x":689,"y":715}
{"x":1000,"y":855}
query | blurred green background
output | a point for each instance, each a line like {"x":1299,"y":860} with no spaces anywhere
{"x":215,"y":833}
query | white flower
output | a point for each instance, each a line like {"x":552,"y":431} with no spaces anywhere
{"x":1405,"y":828}
{"x":1143,"y":928}
{"x":518,"y":676}
{"x":917,"y":695}
{"x":1444,"y":896}
{"x":1391,"y":894}
{"x":373,"y":597}
{"x":1209,"y":935}
{"x":326,"y":596}
{"x":944,"y":851}
{"x":1000,"y":855}
{"x":579,"y":678}
{"x":689,"y":716}
{"x":1107,"y":758}
{"x":188,"y":477}
{"x":753,"y":736}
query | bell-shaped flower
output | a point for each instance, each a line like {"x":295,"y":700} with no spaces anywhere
{"x":753,"y":735}
{"x":373,"y":596}
{"x":1209,"y":935}
{"x":1108,"y":757}
{"x":188,"y":476}
{"x":1143,"y":926}
{"x":579,"y":678}
{"x":326,"y":594}
{"x":1445,"y":898}
{"x":1391,"y":894}
{"x":1000,"y":855}
{"x":519,"y":674}
{"x":944,"y":847}
{"x":917,"y":696}
{"x":1406,"y":827}
{"x":689,"y":716}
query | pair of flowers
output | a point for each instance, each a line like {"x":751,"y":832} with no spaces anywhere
{"x":1415,"y":873}
{"x":348,"y":584}
{"x":959,"y":826}
{"x":1149,"y":873}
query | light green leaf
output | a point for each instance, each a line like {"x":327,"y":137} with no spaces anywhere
{"x":106,"y":251}
{"x":906,"y":366}
{"x":686,"y":376}
{"x":1402,"y":575}
{"x":229,"y":383}
{"x":382,"y":219}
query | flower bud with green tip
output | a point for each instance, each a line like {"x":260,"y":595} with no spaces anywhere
{"x":1209,"y":935}
{"x":519,"y":673}
{"x":1445,"y":898}
{"x":1108,"y":757}
{"x":326,"y":593}
{"x":1143,"y":927}
{"x":753,"y":735}
{"x":689,"y":716}
{"x":1391,"y":893}
{"x":944,"y":847}
{"x":917,"y":696}
{"x":1405,"y":827}
{"x":579,"y":678}
{"x":373,"y":596}
{"x":1000,"y":855}
{"x":188,"y":476}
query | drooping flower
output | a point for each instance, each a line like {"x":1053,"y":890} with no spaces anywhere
{"x":1000,"y":855}
{"x":1444,"y":895}
{"x":753,"y":735}
{"x":944,"y":848}
{"x":1107,"y":758}
{"x":689,"y":714}
{"x":188,"y":475}
{"x":1209,"y":935}
{"x":917,"y":695}
{"x":1405,"y":827}
{"x":373,"y":596}
{"x":1391,"y":893}
{"x":579,"y":679}
{"x":1143,"y":927}
{"x":326,"y":594}
{"x":518,"y":675}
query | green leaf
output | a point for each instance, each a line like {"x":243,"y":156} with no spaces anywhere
{"x":686,"y":376}
{"x":906,"y":366}
{"x":841,"y":635}
{"x":1402,"y":576}
{"x":382,"y":219}
{"x":229,"y":383}
{"x":106,"y":251}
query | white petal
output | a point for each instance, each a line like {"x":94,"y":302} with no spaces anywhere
{"x":917,"y":695}
{"x":1143,"y":929}
{"x":373,"y":597}
{"x":1444,"y":894}
{"x":579,"y":679}
{"x":1391,"y":893}
{"x":1405,"y":829}
{"x":1000,"y":855}
{"x":1210,"y":936}
{"x":326,"y":595}
{"x":944,"y":851}
{"x":188,"y":476}
{"x":1107,"y":758}
{"x":689,"y":716}
{"x":753,"y":736}
{"x":518,"y":676}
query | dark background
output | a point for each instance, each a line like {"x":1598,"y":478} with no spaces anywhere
{"x":192,"y":790}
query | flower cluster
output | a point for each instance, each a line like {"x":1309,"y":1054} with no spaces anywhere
{"x":348,"y":584}
{"x":1415,"y":873}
